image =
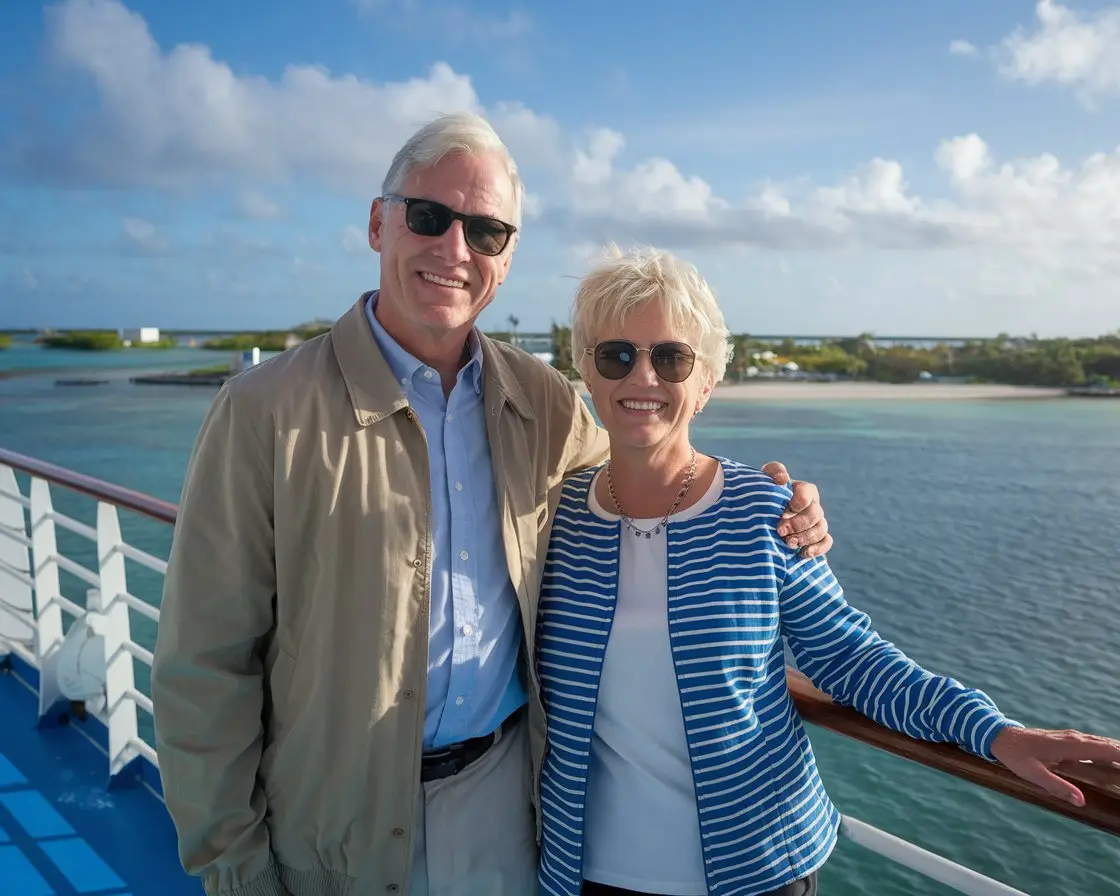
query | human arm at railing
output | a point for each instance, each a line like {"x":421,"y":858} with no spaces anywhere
{"x":838,"y":649}
{"x":1099,"y":782}
{"x":207,"y":674}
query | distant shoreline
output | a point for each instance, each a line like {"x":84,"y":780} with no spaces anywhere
{"x":775,"y":390}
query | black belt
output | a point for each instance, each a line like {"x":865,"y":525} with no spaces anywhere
{"x":452,"y":759}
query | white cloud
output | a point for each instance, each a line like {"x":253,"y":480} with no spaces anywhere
{"x":1080,"y":50}
{"x":144,"y":234}
{"x":1065,"y":217}
{"x":962,"y":48}
{"x":255,"y":206}
{"x":963,"y":157}
{"x":1020,"y":223}
{"x":536,"y":141}
{"x":652,"y":189}
{"x":167,"y":118}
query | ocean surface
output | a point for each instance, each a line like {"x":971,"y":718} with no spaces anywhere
{"x":980,"y":536}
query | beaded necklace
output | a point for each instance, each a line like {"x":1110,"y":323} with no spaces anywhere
{"x":648,"y":533}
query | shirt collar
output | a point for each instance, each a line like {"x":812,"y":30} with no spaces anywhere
{"x":404,"y":365}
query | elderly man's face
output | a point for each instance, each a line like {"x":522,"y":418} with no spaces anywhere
{"x":433,"y":288}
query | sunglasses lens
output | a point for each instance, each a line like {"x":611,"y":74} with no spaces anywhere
{"x":428,"y":218}
{"x":486,"y":236}
{"x":614,"y":360}
{"x":672,"y":361}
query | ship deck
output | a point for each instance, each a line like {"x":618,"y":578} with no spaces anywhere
{"x":63,"y":831}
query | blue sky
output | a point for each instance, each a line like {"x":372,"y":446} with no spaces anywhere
{"x":948,"y":168}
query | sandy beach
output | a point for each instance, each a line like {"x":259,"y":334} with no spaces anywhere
{"x":774,"y":390}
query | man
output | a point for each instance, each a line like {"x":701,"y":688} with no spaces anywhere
{"x":343,"y":695}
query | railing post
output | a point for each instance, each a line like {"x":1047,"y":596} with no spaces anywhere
{"x":119,"y":674}
{"x":48,"y":630}
{"x":17,"y":617}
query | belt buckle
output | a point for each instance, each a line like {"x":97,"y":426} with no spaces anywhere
{"x":444,"y":762}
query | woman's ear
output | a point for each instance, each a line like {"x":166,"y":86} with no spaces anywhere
{"x":705,"y":394}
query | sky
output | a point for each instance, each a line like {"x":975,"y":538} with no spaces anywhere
{"x":946,"y":168}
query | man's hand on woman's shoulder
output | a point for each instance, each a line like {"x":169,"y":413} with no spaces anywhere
{"x":803,"y":525}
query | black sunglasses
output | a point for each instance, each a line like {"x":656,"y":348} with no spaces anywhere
{"x":672,"y":361}
{"x":484,"y":235}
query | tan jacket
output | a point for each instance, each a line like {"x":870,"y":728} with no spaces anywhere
{"x":291,"y":660}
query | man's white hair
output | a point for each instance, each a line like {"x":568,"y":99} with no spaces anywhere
{"x":624,"y":282}
{"x":463,"y":132}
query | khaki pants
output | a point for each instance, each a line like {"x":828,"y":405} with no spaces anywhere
{"x":475,"y":831}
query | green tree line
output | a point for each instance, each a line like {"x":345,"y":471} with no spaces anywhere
{"x":96,"y":341}
{"x":266,"y":341}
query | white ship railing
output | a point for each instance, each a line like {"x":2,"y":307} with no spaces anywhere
{"x":35,"y":617}
{"x":31,"y":627}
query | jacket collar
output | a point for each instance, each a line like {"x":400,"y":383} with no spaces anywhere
{"x":500,"y":380}
{"x":374,"y":391}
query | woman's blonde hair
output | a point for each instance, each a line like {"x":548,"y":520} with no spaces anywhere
{"x":623,"y":282}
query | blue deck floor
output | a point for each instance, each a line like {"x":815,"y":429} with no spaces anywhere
{"x":61,"y":830}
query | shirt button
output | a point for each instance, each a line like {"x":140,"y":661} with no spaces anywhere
{"x":468,"y":630}
{"x":450,"y":417}
{"x":404,"y":380}
{"x":459,"y":701}
{"x":458,"y":486}
{"x":463,"y":555}
{"x":398,"y":832}
{"x":427,"y":374}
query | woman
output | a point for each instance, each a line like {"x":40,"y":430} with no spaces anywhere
{"x":676,"y":760}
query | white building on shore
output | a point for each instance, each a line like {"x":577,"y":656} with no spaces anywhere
{"x":140,"y":335}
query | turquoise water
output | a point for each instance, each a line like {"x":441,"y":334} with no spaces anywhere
{"x":980,"y":536}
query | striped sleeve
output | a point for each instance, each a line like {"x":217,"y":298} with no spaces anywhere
{"x":837,"y":648}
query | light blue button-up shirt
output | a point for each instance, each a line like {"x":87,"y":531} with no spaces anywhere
{"x":475,"y":624}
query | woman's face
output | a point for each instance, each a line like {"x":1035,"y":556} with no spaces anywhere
{"x":642,"y":409}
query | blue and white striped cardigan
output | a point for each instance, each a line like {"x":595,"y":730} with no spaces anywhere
{"x":734,"y":592}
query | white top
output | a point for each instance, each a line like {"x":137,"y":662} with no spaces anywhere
{"x":642,"y":828}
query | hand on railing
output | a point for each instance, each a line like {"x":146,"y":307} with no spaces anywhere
{"x":1031,"y":753}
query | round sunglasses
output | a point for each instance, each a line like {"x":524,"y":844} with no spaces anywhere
{"x":424,"y":217}
{"x":615,"y":358}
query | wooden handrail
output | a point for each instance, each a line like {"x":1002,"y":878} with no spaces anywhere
{"x":138,"y":502}
{"x":1099,"y":783}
